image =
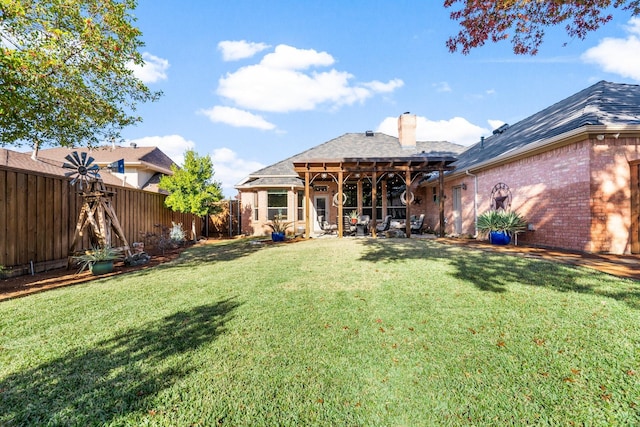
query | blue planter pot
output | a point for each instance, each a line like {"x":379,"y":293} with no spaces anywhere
{"x":277,"y":237}
{"x":499,"y":238}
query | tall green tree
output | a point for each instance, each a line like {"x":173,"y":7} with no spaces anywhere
{"x":192,"y":188}
{"x":65,"y":74}
{"x":524,"y":21}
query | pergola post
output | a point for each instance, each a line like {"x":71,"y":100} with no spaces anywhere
{"x":441,"y":197}
{"x":340,"y":212}
{"x":307,"y":211}
{"x":407,"y":194}
{"x":374,"y":199}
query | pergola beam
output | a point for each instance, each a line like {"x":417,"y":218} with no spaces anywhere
{"x":376,"y":168}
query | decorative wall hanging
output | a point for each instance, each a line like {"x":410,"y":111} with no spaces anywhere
{"x":501,"y":197}
{"x":403,"y":197}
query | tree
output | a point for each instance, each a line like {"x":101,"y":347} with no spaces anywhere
{"x":65,"y":71}
{"x":191,"y":188}
{"x":525,"y":20}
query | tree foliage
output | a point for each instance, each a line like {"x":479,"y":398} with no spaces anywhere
{"x":524,"y":21}
{"x":191,"y":188}
{"x":65,"y":71}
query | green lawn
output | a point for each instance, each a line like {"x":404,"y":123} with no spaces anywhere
{"x":327,"y":332}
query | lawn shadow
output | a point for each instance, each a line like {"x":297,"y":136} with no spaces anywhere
{"x":97,"y":385}
{"x":222,"y":251}
{"x":495,"y":272}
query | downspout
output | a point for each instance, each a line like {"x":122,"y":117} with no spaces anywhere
{"x":475,"y":201}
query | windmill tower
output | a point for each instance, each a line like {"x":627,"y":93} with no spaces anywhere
{"x":97,"y":214}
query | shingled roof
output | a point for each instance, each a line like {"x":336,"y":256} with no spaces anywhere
{"x":604,"y":103}
{"x":349,"y":145}
{"x":151,"y":157}
{"x":23,"y":161}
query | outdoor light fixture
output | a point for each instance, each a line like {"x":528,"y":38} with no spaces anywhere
{"x":391,"y":174}
{"x":323,"y":175}
{"x":464,"y":186}
{"x":357,"y":175}
{"x":600,"y":137}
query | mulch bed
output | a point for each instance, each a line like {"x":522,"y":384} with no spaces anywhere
{"x":27,"y":284}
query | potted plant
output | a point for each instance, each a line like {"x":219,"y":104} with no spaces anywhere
{"x":501,"y":225}
{"x":98,"y":260}
{"x":278,"y":227}
{"x":353,"y":217}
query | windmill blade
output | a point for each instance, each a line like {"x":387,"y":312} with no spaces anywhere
{"x":68,"y":174}
{"x":75,"y":156}
{"x":84,"y":157}
{"x":89,"y":161}
{"x":97,"y":176}
{"x":69,"y":166}
{"x":71,"y":160}
{"x":73,"y":181}
{"x":93,"y":168}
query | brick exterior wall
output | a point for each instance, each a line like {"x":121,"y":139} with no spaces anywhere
{"x":576,"y":197}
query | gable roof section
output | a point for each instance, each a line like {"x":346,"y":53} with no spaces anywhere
{"x":349,"y":145}
{"x":604,"y":103}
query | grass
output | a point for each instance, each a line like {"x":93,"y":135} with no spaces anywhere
{"x":327,"y":332}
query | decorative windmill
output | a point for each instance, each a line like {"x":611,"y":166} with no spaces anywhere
{"x":97,"y":212}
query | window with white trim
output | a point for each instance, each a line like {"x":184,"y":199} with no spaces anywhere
{"x":277,"y":204}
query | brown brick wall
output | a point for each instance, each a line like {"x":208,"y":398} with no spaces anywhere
{"x":576,"y":196}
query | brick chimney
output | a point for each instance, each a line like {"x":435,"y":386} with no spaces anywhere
{"x":407,"y":131}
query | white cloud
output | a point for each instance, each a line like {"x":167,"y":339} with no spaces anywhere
{"x":173,"y":146}
{"x":230,"y":170}
{"x":495,"y":124}
{"x":235,"y":50}
{"x":153,"y":70}
{"x":616,"y":55}
{"x":457,"y":130}
{"x":442,"y":87}
{"x":281,"y":83}
{"x":236,"y":117}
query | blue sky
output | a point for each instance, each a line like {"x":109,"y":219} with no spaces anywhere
{"x":251,"y":83}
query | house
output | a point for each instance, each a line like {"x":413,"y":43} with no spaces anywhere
{"x":347,"y":173}
{"x":572,"y":170}
{"x":143,"y":166}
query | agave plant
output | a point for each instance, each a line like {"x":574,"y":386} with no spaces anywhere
{"x":278,"y":224}
{"x":507,"y":222}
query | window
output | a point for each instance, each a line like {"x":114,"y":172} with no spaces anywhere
{"x":395,"y":188}
{"x":350,"y":190}
{"x":367,"y":193}
{"x":300,"y":205}
{"x":255,"y":206}
{"x":277,"y":204}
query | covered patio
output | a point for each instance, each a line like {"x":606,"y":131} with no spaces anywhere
{"x":410,"y":170}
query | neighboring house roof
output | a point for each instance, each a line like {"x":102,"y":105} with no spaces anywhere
{"x":150,"y":157}
{"x":24,"y":161}
{"x":604,"y":103}
{"x":350,"y":145}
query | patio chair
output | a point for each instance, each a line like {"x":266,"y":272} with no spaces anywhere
{"x":384,"y":225}
{"x":348,"y":229}
{"x":325,"y":226}
{"x":416,"y":226}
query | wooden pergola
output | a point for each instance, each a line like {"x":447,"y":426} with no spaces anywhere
{"x":373,"y":168}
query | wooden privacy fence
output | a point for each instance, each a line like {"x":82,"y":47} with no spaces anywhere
{"x":39,"y":213}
